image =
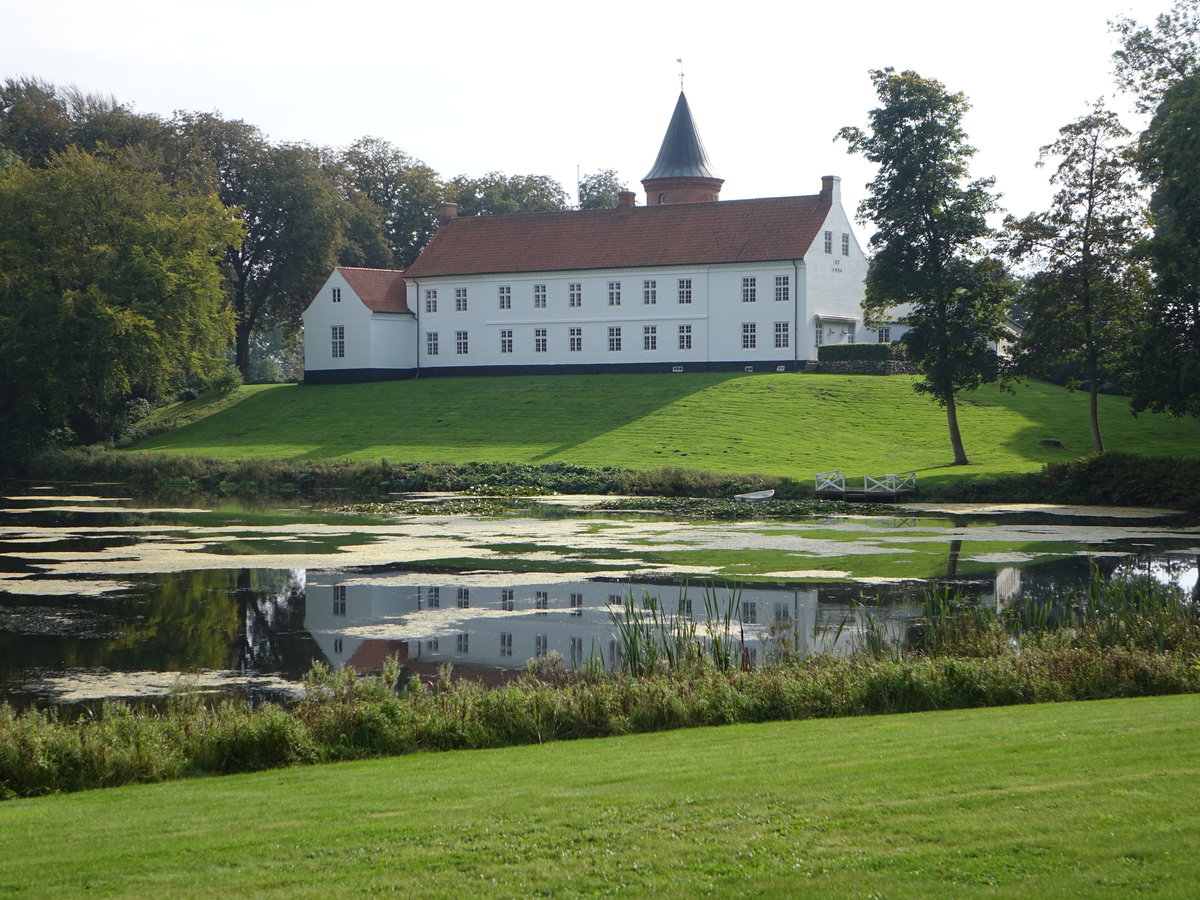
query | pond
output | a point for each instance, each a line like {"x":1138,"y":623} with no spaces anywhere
{"x":104,"y":596}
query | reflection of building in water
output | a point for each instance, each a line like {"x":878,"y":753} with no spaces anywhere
{"x":468,"y":623}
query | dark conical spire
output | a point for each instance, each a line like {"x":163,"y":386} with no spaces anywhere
{"x":682,"y":172}
{"x":682,"y":153}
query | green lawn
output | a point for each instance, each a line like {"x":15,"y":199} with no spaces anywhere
{"x":1076,"y":799}
{"x":784,"y":424}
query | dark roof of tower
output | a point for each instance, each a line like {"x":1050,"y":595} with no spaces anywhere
{"x":682,"y":153}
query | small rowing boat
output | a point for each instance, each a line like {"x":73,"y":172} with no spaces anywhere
{"x":755,"y":495}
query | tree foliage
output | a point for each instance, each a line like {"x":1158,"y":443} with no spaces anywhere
{"x":295,"y":221}
{"x":930,"y":223}
{"x":109,"y":292}
{"x":496,"y":194}
{"x":1153,"y":57}
{"x":1167,"y":377}
{"x":404,"y":189}
{"x":1082,"y":297}
{"x":599,"y":190}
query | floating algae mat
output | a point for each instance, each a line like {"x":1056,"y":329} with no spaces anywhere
{"x":101,"y":596}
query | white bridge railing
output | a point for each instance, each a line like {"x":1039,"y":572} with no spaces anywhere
{"x":835,"y":482}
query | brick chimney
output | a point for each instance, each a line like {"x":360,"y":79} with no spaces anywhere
{"x":831,"y":190}
{"x":446,"y":212}
{"x":626,"y":198}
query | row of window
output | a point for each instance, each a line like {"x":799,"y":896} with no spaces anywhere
{"x":541,"y":340}
{"x":683,"y":293}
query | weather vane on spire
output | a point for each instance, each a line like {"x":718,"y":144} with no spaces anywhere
{"x":680,"y":61}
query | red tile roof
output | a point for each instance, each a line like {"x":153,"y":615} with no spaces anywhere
{"x":727,"y":231}
{"x":380,"y":290}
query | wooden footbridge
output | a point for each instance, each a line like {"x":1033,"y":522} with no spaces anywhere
{"x":874,"y":487}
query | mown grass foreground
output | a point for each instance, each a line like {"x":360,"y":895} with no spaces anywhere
{"x":1094,"y":799}
{"x":780,"y":424}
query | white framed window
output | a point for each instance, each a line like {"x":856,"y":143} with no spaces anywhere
{"x":575,"y":294}
{"x":884,"y":335}
{"x":539,"y":296}
{"x":434,"y":597}
{"x":431,"y":300}
{"x":336,"y":295}
{"x":614,"y":339}
{"x":432,"y":646}
{"x":539,"y":340}
{"x":577,"y":604}
{"x":685,"y":337}
{"x":462,"y":643}
{"x":829,"y":242}
{"x":782,"y":337}
{"x":460,"y":343}
{"x":339,"y":599}
{"x":819,"y":335}
{"x":506,"y":600}
{"x":614,"y":293}
{"x":577,"y":652}
{"x":338,"y":338}
{"x":541,"y":645}
{"x":685,"y":290}
{"x":783,"y":288}
{"x":505,"y":643}
{"x":749,"y":290}
{"x":750,"y":612}
{"x":464,"y":598}
{"x":541,"y":602}
{"x":649,"y":292}
{"x":852,"y":331}
{"x":506,"y":340}
{"x":506,"y":296}
{"x":845,"y":244}
{"x":649,"y":337}
{"x":460,"y":299}
{"x":576,"y":339}
{"x":749,"y":335}
{"x":431,"y":343}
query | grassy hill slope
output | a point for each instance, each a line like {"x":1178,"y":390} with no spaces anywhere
{"x":1061,"y":799}
{"x":780,"y":424}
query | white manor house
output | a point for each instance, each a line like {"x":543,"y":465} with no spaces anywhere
{"x":685,"y":283}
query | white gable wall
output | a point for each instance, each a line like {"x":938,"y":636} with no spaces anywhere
{"x":834,"y":286}
{"x":371,"y":340}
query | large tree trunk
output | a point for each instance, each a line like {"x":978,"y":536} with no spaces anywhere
{"x":960,"y":455}
{"x":1094,"y":411}
{"x":242,"y":346}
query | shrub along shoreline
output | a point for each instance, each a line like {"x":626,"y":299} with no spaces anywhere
{"x":1110,"y":479}
{"x":1124,"y":639}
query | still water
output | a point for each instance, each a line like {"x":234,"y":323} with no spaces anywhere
{"x":103,"y":596}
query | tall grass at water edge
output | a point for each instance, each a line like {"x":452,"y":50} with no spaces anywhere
{"x":1106,"y":642}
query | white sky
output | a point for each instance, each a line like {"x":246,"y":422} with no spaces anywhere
{"x":546,"y":87}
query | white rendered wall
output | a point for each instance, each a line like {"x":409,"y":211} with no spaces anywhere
{"x":716,"y":315}
{"x":372,"y":340}
{"x":834,"y":285}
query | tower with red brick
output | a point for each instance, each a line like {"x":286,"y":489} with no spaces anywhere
{"x":682,"y":172}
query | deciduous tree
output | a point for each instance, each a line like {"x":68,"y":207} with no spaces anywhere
{"x":406,"y":190}
{"x":1167,"y":377}
{"x":930,"y":223}
{"x":1082,"y":297}
{"x":497,"y":194}
{"x":599,"y":190}
{"x":295,"y":221}
{"x":110,"y":290}
{"x":1153,"y":57}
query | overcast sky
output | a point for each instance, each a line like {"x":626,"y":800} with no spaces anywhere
{"x":560,"y":88}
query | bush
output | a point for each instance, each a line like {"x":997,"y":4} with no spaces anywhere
{"x":860,"y":352}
